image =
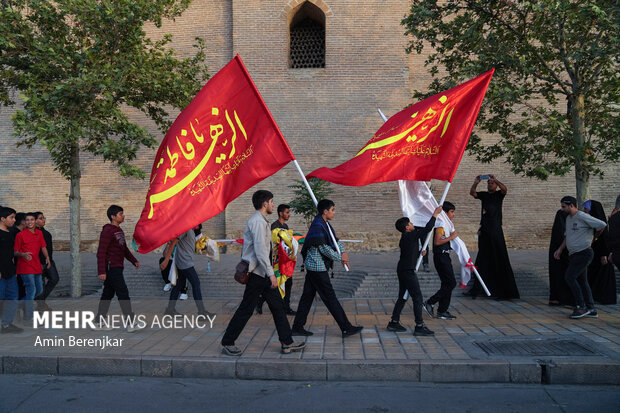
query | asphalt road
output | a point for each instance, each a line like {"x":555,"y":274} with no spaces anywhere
{"x":31,"y":393}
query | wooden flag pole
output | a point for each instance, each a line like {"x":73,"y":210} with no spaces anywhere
{"x":428,"y":237}
{"x":331,"y":234}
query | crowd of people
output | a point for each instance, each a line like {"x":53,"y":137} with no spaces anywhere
{"x":28,"y":273}
{"x":584,"y":247}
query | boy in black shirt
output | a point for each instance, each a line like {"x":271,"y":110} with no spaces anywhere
{"x":8,"y":279}
{"x":443,"y":265}
{"x":50,"y":275}
{"x":407,"y":278}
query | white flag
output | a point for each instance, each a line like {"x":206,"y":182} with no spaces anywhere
{"x":418,"y":204}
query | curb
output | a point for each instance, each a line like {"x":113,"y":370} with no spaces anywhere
{"x":427,"y":371}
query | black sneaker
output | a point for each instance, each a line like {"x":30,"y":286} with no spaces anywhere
{"x":428,"y":308}
{"x":171,"y":312}
{"x":579,"y":313}
{"x":293,"y":347}
{"x":231,"y":350}
{"x":11,"y":328}
{"x":301,"y":332}
{"x":206,"y":314}
{"x":422,"y":331}
{"x":395,"y":326}
{"x":291,"y":312}
{"x":445,"y":316}
{"x":352,"y":330}
{"x":592,"y":313}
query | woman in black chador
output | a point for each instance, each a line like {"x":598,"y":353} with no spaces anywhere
{"x":492,"y":260}
{"x":601,"y":275}
{"x":559,"y":293}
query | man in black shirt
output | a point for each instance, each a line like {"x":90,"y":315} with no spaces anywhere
{"x":492,"y":260}
{"x":50,"y":275}
{"x":8,"y":280}
{"x":407,"y":279}
{"x":284,"y":213}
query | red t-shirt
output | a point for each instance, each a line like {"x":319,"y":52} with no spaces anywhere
{"x":26,"y":241}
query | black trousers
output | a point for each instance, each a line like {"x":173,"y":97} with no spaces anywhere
{"x":577,"y":277}
{"x":443,"y":265}
{"x":50,"y":279}
{"x":318,"y":282}
{"x":408,"y":281}
{"x":288,"y":287}
{"x":258,"y":285}
{"x":114,"y":284}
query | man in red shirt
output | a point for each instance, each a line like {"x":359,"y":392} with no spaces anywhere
{"x":28,"y":244}
{"x":111,"y":254}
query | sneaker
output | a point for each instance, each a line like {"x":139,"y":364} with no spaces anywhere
{"x":301,"y":332}
{"x":102,"y":327}
{"x":293,"y":347}
{"x":395,"y":326}
{"x":445,"y":316}
{"x":427,"y":268}
{"x":167,"y":287}
{"x":206,"y":314}
{"x":135,"y":327}
{"x":291,"y":312}
{"x":11,"y":328}
{"x":422,"y":331}
{"x":171,"y":312}
{"x":231,"y":350}
{"x":428,"y":308}
{"x":183,"y":296}
{"x":579,"y":313}
{"x":352,"y":330}
{"x":592,"y":313}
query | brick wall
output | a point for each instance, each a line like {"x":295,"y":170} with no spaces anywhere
{"x":325,"y":114}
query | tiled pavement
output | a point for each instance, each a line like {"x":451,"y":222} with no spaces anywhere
{"x":481,"y":320}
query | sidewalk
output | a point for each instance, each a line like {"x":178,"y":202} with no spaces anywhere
{"x":521,"y":341}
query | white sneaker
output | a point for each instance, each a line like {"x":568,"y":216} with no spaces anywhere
{"x":167,"y":287}
{"x":102,"y":327}
{"x":183,"y":296}
{"x":134,"y":328}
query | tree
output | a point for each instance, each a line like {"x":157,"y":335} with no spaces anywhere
{"x":302,"y":203}
{"x":77,"y":65}
{"x":554,"y":97}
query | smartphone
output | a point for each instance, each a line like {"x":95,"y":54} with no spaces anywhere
{"x":483,"y":177}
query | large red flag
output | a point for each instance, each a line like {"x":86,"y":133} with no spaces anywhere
{"x":423,"y":142}
{"x":224,"y":142}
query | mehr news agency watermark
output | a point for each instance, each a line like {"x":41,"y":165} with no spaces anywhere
{"x":86,"y":320}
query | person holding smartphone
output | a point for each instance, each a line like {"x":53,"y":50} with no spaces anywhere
{"x":492,"y":260}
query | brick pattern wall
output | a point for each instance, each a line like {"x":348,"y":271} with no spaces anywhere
{"x":325,"y":114}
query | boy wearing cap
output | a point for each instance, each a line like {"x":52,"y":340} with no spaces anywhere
{"x":580,"y":227}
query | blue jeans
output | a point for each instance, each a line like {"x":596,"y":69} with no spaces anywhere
{"x":190,"y":275}
{"x":8,"y":293}
{"x":33,"y":283}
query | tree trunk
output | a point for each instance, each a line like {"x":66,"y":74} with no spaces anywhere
{"x":74,"y":223}
{"x":582,"y":174}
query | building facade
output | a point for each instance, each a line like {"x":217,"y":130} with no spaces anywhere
{"x":323,"y":68}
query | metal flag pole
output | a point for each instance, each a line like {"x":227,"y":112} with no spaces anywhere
{"x":428,"y":237}
{"x":331,"y":234}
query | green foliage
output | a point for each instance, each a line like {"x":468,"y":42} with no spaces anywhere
{"x":302,"y":203}
{"x":554,"y":98}
{"x":80,"y":64}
